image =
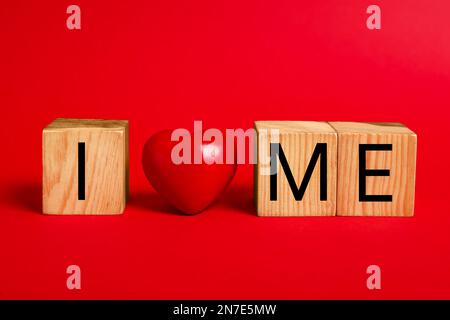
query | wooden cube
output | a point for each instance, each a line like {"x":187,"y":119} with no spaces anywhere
{"x":295,"y":174}
{"x":376,"y":169}
{"x":85,"y":167}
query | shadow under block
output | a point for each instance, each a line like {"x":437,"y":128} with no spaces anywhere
{"x":299,"y":141}
{"x":105,"y":165}
{"x":399,"y":165}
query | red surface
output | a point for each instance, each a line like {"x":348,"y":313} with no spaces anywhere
{"x":162,"y":64}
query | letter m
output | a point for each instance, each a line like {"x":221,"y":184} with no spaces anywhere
{"x":320,"y":151}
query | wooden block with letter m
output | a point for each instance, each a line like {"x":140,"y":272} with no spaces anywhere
{"x":85,"y":166}
{"x":296,"y":169}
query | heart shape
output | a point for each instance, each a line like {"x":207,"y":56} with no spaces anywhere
{"x":189,"y":187}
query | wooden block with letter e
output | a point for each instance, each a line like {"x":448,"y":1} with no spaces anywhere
{"x":376,"y":169}
{"x":295,"y":174}
{"x":85,"y":166}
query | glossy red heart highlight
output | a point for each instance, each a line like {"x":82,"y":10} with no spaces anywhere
{"x":189,"y":187}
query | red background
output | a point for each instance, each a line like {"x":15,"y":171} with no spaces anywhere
{"x":163,"y":64}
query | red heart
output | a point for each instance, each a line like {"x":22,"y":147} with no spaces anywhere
{"x":189,"y":187}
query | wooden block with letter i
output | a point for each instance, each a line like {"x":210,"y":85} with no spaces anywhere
{"x":295,"y":174}
{"x":376,"y":169}
{"x":85,"y":166}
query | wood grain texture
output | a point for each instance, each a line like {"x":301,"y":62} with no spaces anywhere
{"x":401,"y":162}
{"x":106,"y":166}
{"x":298,"y":140}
